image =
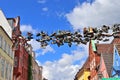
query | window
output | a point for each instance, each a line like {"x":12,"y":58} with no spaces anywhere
{"x":4,"y":44}
{"x":94,"y":62}
{"x":8,"y":49}
{"x":0,"y":41}
{"x":10,"y":72}
{"x":6,"y":72}
{"x":15,"y":62}
{"x":91,"y":65}
{"x":2,"y":67}
{"x":11,"y":53}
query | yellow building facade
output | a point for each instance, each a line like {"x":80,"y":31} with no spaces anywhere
{"x":6,"y":56}
{"x":84,"y":72}
{"x":83,"y":75}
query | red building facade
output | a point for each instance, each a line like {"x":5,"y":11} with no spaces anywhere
{"x":20,"y":71}
{"x":94,"y":61}
{"x":21,"y":61}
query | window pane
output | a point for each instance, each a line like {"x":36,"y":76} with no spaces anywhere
{"x":10,"y":72}
{"x":6,"y":72}
{"x":2,"y":67}
{"x":11,"y":53}
{"x":8,"y":49}
{"x":5,"y":43}
{"x":15,"y":62}
{"x":0,"y":41}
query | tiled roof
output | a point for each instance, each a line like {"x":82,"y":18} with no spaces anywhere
{"x":108,"y":59}
{"x":107,"y":51}
{"x":118,"y":48}
{"x":116,"y":41}
{"x":104,"y":48}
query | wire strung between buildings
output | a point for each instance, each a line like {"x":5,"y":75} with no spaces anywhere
{"x":89,"y":33}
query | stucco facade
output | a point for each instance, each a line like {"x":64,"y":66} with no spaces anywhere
{"x":4,"y":23}
{"x":6,"y":56}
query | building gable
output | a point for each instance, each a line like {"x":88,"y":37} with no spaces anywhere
{"x":102,"y":69}
{"x":116,"y":62}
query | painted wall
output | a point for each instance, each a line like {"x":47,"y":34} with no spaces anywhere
{"x":84,"y":76}
{"x":4,"y":23}
{"x":102,"y":68}
{"x":81,"y":77}
{"x":6,"y":56}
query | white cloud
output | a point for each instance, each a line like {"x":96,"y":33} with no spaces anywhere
{"x":45,"y":9}
{"x":27,"y":28}
{"x":64,"y":68}
{"x":44,"y":51}
{"x":98,"y":13}
{"x":47,"y":49}
{"x":35,"y":44}
{"x":42,"y":1}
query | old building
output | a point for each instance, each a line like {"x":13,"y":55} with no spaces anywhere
{"x":6,"y":53}
{"x":104,"y":60}
{"x":36,"y":69}
{"x":105,"y":66}
{"x":17,"y":59}
{"x":20,"y":71}
{"x":6,"y":56}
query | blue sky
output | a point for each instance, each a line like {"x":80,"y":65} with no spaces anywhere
{"x":54,"y":15}
{"x":46,"y":15}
